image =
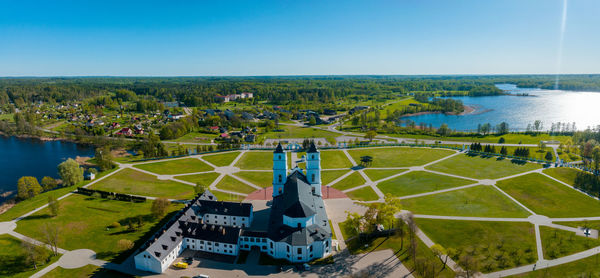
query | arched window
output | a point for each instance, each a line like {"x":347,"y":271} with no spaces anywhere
{"x":313,"y":177}
{"x":280,"y":178}
{"x":279,"y":157}
{"x":312,"y":157}
{"x":280,"y":190}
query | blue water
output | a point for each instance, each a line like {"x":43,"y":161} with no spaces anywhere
{"x":31,"y":157}
{"x":549,"y":106}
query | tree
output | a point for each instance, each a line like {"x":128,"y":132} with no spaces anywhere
{"x":548,"y":156}
{"x":160,"y":207}
{"x":439,"y":250}
{"x":312,"y":120}
{"x":366,"y":160}
{"x":503,"y":150}
{"x":354,"y":221}
{"x":388,"y":210}
{"x":104,"y":158}
{"x":596,"y":157}
{"x":53,"y":205}
{"x":33,"y":253}
{"x":199,"y":188}
{"x":70,"y":172}
{"x":443,"y":130}
{"x":502,"y":128}
{"x":501,"y":140}
{"x":124,"y":244}
{"x":51,"y":234}
{"x":28,"y":187}
{"x":370,"y":135}
{"x":49,"y":183}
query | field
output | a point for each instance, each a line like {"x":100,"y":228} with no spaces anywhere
{"x":230,"y":184}
{"x":353,"y":180}
{"x":363,"y":194}
{"x":204,"y":179}
{"x":550,"y":198}
{"x":481,"y":200}
{"x":496,"y":245}
{"x":334,"y":160}
{"x":510,"y":138}
{"x":130,"y":181}
{"x":376,"y":175}
{"x":399,"y":156}
{"x":566,"y":175}
{"x":222,"y":196}
{"x":256,"y":161}
{"x":33,"y":203}
{"x":481,"y":168}
{"x":587,"y":267}
{"x":262,"y":179}
{"x":177,"y":166}
{"x":329,"y":176}
{"x":84,"y":272}
{"x":290,"y":131}
{"x":196,"y":137}
{"x":221,"y":160}
{"x":559,"y":243}
{"x":84,"y":221}
{"x":12,"y":259}
{"x":419,"y":182}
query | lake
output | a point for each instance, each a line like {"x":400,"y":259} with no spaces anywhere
{"x":549,"y":106}
{"x":32,"y":157}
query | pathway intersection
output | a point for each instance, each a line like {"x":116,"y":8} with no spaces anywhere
{"x":338,"y":207}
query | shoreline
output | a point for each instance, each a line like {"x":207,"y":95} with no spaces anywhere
{"x":467,"y":110}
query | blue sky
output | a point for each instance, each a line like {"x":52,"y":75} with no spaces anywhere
{"x":166,"y":38}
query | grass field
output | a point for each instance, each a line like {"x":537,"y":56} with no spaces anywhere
{"x":82,"y":218}
{"x":566,"y":175}
{"x":395,"y":243}
{"x":33,"y":203}
{"x":399,"y":156}
{"x":130,"y":181}
{"x":496,"y":245}
{"x":256,"y":161}
{"x":205,"y":179}
{"x":231,"y":184}
{"x":221,"y":196}
{"x":262,"y":179}
{"x":419,"y":182}
{"x":329,"y":176}
{"x":376,"y":175}
{"x":221,"y":160}
{"x":587,"y":267}
{"x":353,"y":180}
{"x":7,"y":117}
{"x":12,"y":259}
{"x":559,"y":243}
{"x":481,"y":168}
{"x":576,"y":224}
{"x":480,"y":200}
{"x":511,"y":138}
{"x":177,"y":166}
{"x":334,"y":159}
{"x":196,"y":137}
{"x":84,"y":272}
{"x":363,"y":194}
{"x":301,"y":132}
{"x":550,"y":198}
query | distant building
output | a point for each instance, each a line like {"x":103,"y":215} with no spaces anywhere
{"x":223,"y":99}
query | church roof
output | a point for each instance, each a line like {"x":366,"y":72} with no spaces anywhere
{"x":278,"y":149}
{"x":312,"y":148}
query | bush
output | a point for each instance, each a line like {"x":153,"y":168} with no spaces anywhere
{"x":114,"y":225}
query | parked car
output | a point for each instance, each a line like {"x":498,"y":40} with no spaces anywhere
{"x":201,"y":276}
{"x":180,"y":265}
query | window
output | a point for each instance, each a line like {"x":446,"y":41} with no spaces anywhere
{"x":216,"y":244}
{"x":326,"y":243}
{"x":299,"y":250}
{"x":279,"y":178}
{"x":263,"y":247}
{"x":271,"y":245}
{"x":234,"y":218}
{"x":264,"y":240}
{"x":299,"y":225}
{"x":288,"y":248}
{"x":311,"y":248}
{"x":202,"y":242}
{"x":299,"y":258}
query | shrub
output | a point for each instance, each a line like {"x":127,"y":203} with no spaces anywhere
{"x":114,"y":225}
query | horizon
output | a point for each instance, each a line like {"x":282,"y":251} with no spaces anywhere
{"x":285,"y":38}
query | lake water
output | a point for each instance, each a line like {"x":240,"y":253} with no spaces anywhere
{"x":32,"y":157}
{"x":549,"y":106}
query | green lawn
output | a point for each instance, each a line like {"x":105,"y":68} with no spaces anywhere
{"x":130,"y":181}
{"x":395,"y":243}
{"x":222,"y":196}
{"x":480,"y":200}
{"x":576,"y":224}
{"x":33,"y":203}
{"x":231,"y":184}
{"x":481,"y":168}
{"x":205,"y":179}
{"x":353,"y":180}
{"x":221,"y":160}
{"x":12,"y":259}
{"x":566,"y":175}
{"x":196,"y":137}
{"x":334,"y":159}
{"x":256,"y":161}
{"x":177,"y":166}
{"x":376,"y":175}
{"x":496,"y":245}
{"x":511,"y":138}
{"x":82,"y":218}
{"x":84,"y":272}
{"x":329,"y":176}
{"x":587,"y":267}
{"x":262,"y":179}
{"x":363,"y":194}
{"x":301,"y":132}
{"x":559,"y":243}
{"x":419,"y":182}
{"x":399,"y":156}
{"x":550,"y":198}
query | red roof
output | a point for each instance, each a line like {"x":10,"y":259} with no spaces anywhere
{"x":214,"y":127}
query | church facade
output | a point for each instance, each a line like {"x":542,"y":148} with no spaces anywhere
{"x":298,"y":228}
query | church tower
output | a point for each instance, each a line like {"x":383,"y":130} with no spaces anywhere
{"x":313,"y":168}
{"x":279,"y":170}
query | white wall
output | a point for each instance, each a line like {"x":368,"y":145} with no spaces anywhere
{"x":226,"y":220}
{"x":293,"y":222}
